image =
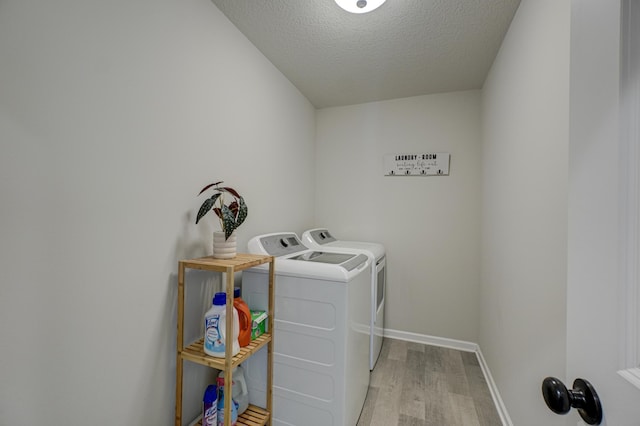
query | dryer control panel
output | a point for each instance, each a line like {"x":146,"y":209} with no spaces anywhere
{"x":321,"y":236}
{"x":282,"y":244}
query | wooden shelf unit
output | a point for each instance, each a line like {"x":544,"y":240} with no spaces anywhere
{"x":254,"y":416}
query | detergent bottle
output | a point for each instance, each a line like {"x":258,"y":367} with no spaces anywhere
{"x":239,"y":389}
{"x":221,"y":397}
{"x":244,"y":315}
{"x":215,"y":323}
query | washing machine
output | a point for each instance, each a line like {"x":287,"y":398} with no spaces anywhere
{"x":321,"y":238}
{"x":321,"y":337}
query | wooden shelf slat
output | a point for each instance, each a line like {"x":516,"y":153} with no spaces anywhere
{"x":195,"y":352}
{"x":253,"y":416}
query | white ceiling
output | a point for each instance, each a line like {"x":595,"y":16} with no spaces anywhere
{"x":404,"y":48}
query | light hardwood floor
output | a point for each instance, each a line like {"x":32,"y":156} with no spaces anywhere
{"x":421,"y":385}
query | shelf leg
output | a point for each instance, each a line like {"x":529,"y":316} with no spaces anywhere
{"x":228,"y":361}
{"x":179,"y":345}
{"x":179,"y":392}
{"x":272,"y":310}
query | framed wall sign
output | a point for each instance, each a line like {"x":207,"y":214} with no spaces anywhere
{"x":424,"y":164}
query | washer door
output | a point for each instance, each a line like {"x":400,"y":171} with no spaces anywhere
{"x":323,"y":257}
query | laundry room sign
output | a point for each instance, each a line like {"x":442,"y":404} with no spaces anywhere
{"x":426,"y":164}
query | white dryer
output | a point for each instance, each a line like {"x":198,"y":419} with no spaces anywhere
{"x":321,"y":238}
{"x":321,"y":336}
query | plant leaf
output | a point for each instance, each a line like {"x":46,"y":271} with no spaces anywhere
{"x":234,"y":207}
{"x":243,"y":211}
{"x":209,"y":186}
{"x":229,"y":222}
{"x":230,"y":191}
{"x":206,"y":206}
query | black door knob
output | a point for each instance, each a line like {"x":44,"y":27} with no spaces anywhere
{"x":582,"y":397}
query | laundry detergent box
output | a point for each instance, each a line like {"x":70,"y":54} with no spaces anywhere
{"x":258,"y":323}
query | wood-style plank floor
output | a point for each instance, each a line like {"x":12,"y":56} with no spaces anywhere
{"x":421,"y":385}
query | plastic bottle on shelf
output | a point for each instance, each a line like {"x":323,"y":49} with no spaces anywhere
{"x":244,"y":315}
{"x":234,"y":405}
{"x":210,"y":406}
{"x":215,"y":325}
{"x":239,"y":389}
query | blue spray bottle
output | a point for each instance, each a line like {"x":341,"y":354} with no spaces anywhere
{"x":210,"y":406}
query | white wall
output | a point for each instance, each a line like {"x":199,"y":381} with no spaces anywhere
{"x":113,"y":115}
{"x":429,"y":225}
{"x":525,"y":108}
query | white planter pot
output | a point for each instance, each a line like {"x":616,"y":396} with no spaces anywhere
{"x":224,"y":249}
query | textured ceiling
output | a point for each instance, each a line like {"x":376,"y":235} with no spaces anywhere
{"x":404,"y":48}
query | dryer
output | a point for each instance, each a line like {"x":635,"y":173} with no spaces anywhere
{"x":321,"y":336}
{"x":321,"y":238}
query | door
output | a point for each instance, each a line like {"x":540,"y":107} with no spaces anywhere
{"x":601,"y":327}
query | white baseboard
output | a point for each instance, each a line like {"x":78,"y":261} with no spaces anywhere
{"x":431,"y":340}
{"x":460,"y":345}
{"x":497,"y":399}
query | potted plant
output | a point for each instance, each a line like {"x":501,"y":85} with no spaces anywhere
{"x":231,"y":215}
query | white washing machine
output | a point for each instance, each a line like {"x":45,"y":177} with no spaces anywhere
{"x":321,"y":238}
{"x":321,"y":337}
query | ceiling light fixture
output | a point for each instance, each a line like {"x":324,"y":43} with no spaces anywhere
{"x":359,"y":6}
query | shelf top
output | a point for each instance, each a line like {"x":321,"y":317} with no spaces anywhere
{"x":238,"y":263}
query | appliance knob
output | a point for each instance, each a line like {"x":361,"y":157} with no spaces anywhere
{"x":284,"y":242}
